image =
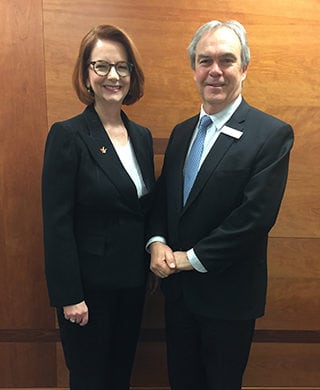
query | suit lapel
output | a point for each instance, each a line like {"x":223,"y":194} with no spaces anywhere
{"x":140,"y":147}
{"x":217,"y":153}
{"x":102,"y":150}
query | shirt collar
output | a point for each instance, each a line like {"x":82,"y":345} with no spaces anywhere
{"x":221,"y":117}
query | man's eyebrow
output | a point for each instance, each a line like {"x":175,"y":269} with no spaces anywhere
{"x":227,"y":54}
{"x":203,"y":56}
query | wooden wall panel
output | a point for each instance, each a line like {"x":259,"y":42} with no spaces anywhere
{"x":151,"y":360}
{"x":287,"y":365}
{"x":291,"y":365}
{"x":272,"y":365}
{"x":293,"y":300}
{"x":23,"y":120}
{"x":23,"y":299}
{"x":27,"y":365}
{"x":41,"y":39}
{"x":282,"y":81}
{"x":281,"y":77}
{"x":300,"y":211}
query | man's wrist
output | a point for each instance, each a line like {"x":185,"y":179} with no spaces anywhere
{"x":195,"y":262}
{"x":154,"y":239}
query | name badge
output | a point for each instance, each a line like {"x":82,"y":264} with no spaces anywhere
{"x":234,"y":133}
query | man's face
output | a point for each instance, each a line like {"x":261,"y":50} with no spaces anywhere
{"x":218,"y":71}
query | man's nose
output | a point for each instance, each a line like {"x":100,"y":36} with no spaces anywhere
{"x":215,"y":68}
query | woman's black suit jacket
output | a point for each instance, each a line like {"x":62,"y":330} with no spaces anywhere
{"x":93,"y":219}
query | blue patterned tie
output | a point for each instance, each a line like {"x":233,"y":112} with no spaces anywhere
{"x":193,"y":161}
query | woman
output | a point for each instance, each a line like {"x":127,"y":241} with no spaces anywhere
{"x":98,"y":175}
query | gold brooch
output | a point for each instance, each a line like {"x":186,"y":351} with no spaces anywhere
{"x":103,"y":150}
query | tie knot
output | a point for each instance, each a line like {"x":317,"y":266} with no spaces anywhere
{"x":205,"y":122}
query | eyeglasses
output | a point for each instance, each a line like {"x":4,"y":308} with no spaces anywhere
{"x":102,"y":68}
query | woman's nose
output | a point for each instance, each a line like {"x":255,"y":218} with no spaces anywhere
{"x":113,"y":74}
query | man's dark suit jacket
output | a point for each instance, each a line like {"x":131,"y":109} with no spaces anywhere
{"x":93,"y":219}
{"x":231,"y":208}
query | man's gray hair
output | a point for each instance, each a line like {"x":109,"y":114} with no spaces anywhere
{"x":233,"y":25}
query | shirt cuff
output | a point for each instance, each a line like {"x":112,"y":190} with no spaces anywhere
{"x":195,"y":262}
{"x":154,"y":239}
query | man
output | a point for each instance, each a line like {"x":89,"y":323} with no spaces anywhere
{"x":209,"y":245}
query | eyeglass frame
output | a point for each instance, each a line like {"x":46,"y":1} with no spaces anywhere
{"x":129,"y":64}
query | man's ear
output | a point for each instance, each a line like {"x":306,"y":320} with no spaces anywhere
{"x":244,"y":73}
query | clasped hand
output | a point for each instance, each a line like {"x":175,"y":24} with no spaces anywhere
{"x":77,"y":314}
{"x":165,"y":262}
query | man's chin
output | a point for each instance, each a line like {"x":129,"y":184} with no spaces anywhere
{"x":213,"y":105}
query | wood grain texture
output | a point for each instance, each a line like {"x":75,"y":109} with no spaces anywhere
{"x":40,"y":44}
{"x":27,"y":365}
{"x":281,"y":80}
{"x":293,"y":299}
{"x":283,"y":365}
{"x":289,"y":365}
{"x":23,"y":301}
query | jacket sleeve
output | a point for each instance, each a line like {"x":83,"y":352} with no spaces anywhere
{"x":242,"y":232}
{"x":157,"y":221}
{"x":59,"y":180}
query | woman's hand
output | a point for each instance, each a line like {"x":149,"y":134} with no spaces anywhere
{"x":78,"y":314}
{"x":162,"y":260}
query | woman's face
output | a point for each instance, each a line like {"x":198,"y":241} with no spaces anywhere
{"x":111,"y":88}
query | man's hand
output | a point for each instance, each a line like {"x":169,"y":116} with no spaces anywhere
{"x":162,"y":260}
{"x":77,"y":314}
{"x":182,"y":262}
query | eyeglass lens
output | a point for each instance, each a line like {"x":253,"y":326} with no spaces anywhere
{"x":102,"y":68}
